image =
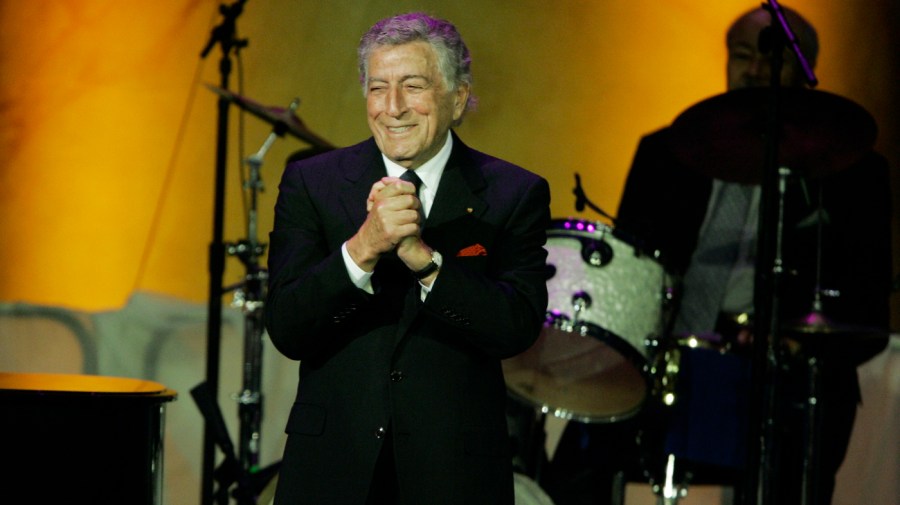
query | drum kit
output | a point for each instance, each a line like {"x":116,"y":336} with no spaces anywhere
{"x":605,"y":353}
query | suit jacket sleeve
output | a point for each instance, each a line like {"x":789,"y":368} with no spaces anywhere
{"x":310,"y":293}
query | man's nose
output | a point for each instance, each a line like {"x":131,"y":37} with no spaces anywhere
{"x":758,"y":66}
{"x":396,"y":102}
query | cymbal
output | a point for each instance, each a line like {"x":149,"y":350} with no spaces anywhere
{"x":279,"y":117}
{"x":724,"y":137}
{"x":815,"y":327}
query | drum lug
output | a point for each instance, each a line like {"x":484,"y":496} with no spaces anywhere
{"x":596,"y":253}
{"x":581,"y":301}
{"x":560,"y":321}
{"x":668,"y":297}
{"x":556,"y":319}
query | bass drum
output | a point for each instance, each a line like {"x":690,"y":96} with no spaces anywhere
{"x":608,"y":304}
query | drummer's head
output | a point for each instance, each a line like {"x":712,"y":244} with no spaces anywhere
{"x":748,"y":67}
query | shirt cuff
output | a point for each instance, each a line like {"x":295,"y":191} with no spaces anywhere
{"x":423,"y":293}
{"x":359,"y":277}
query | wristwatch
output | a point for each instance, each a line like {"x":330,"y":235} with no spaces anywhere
{"x":436,"y":261}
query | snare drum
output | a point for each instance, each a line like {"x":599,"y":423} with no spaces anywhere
{"x":608,"y":301}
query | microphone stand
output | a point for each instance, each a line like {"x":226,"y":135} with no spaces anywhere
{"x":581,"y":200}
{"x":762,"y":458}
{"x":225,"y":36}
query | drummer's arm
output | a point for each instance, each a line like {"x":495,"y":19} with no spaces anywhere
{"x":645,"y":209}
{"x":859,"y":263}
{"x":663,"y":202}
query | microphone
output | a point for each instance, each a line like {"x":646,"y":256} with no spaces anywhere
{"x":580,"y":199}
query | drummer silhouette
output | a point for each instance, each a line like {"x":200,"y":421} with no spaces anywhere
{"x":698,"y":204}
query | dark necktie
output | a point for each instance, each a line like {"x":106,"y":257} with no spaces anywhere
{"x":710,"y":268}
{"x":410,"y":176}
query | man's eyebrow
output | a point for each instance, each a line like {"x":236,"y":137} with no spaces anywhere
{"x":402,"y":79}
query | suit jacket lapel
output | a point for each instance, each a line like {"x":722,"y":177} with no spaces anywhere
{"x":460,"y":190}
{"x":361,"y":172}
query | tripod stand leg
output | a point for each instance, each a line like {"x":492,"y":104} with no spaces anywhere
{"x":617,"y":496}
{"x":670,"y":492}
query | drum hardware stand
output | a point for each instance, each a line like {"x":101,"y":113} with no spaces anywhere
{"x":811,"y":454}
{"x":249,"y":485}
{"x":769,"y":269}
{"x":814,"y":364}
{"x":538,"y":453}
{"x":670,"y":492}
{"x":250,"y":297}
{"x":665,"y":369}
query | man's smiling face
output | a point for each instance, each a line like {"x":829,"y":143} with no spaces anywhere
{"x":409,"y":106}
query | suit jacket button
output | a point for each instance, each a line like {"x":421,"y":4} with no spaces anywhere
{"x":380,"y":432}
{"x":396,"y":376}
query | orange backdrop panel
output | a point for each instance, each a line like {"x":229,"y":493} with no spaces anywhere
{"x":108,"y":135}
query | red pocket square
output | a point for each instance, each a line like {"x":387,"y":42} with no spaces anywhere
{"x":472,"y":250}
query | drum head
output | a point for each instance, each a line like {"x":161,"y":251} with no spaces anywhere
{"x":588,"y":378}
{"x":606,"y":302}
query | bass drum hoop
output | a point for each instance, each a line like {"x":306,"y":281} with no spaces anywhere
{"x":632,"y":356}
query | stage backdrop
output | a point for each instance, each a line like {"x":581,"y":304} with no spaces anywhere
{"x":108,"y":139}
{"x":108,"y":135}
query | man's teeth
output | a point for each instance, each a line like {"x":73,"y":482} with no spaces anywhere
{"x":398,"y":129}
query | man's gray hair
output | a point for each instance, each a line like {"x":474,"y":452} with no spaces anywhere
{"x":453,"y":55}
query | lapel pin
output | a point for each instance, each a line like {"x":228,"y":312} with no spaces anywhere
{"x":469,"y":210}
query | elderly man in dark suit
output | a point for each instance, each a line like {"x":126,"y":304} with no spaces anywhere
{"x":403,"y":270}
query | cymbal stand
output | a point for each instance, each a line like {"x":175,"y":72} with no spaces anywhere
{"x":761,"y":484}
{"x":249,"y":296}
{"x":814,"y":364}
